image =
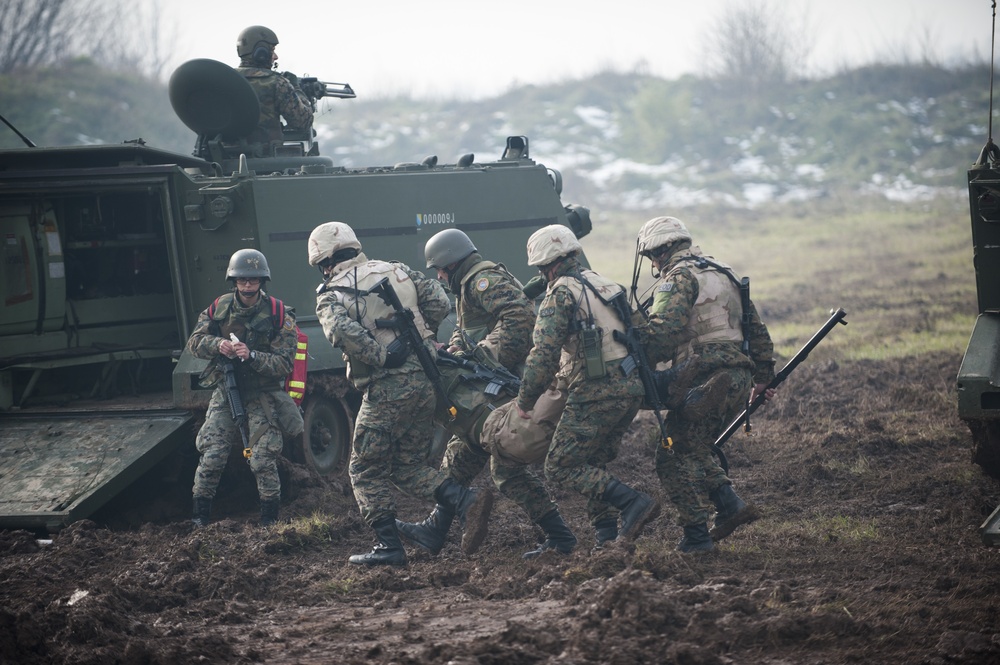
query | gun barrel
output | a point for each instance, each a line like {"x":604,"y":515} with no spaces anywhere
{"x":836,"y":317}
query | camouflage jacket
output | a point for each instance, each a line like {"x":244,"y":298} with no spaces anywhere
{"x":492,"y":311}
{"x":556,"y":323}
{"x":674,"y":300}
{"x":277,"y":98}
{"x":274,"y":350}
{"x":360,"y":347}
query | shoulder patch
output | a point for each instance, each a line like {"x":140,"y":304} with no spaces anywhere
{"x":482,"y":284}
{"x":666,"y":287}
{"x":546,"y":311}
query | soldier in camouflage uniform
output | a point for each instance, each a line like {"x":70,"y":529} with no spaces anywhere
{"x":493,"y":313}
{"x":276,"y":94}
{"x":574,"y":339}
{"x":696,"y":309}
{"x":394,"y":426}
{"x":262,"y":358}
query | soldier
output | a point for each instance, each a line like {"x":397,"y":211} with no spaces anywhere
{"x":697,"y":309}
{"x":494,"y":314}
{"x":262,"y":358}
{"x":574,"y":337}
{"x":276,"y":94}
{"x":394,"y":425}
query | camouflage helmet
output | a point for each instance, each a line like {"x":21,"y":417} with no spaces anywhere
{"x":248,"y":263}
{"x":447,"y":247}
{"x":660,"y":232}
{"x":251,"y":37}
{"x":328,"y":239}
{"x":550,"y":243}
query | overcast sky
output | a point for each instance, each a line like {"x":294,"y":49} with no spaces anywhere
{"x":477,"y":48}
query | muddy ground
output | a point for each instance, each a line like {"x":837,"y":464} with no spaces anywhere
{"x":868,"y":551}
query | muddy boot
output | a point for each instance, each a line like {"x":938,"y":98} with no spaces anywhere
{"x":605,"y":531}
{"x":473,"y":507}
{"x":388,"y":552}
{"x":202,"y":510}
{"x":558,"y":537}
{"x":269,"y":511}
{"x":732,"y":512}
{"x":432,"y":532}
{"x":637,"y":508}
{"x":696,"y":539}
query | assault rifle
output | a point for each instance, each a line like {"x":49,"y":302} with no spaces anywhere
{"x":744,"y":418}
{"x":314,"y":89}
{"x":497,"y":378}
{"x":235,"y":401}
{"x":402,"y":322}
{"x":637,"y":360}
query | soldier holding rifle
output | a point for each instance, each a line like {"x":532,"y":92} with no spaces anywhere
{"x":697,"y":308}
{"x":395,"y":422}
{"x":260,"y":357}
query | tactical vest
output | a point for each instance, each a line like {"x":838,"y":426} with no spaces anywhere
{"x":591,"y":306}
{"x":350,"y":284}
{"x":478,"y":323}
{"x":254,"y":327}
{"x":715,"y":316}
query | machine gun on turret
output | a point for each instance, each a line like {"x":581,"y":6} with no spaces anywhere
{"x":314,"y":89}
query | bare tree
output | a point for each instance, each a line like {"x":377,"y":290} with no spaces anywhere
{"x":754,"y":44}
{"x":116,"y":33}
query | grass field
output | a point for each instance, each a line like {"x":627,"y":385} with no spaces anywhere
{"x":903,"y":273}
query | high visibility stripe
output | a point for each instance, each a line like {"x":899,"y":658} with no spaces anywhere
{"x":297,"y":384}
{"x":300,"y":356}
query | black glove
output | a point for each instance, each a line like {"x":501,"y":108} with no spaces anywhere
{"x":292,"y":78}
{"x":396,"y":354}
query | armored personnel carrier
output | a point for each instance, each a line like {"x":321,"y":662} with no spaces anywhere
{"x":111,"y":251}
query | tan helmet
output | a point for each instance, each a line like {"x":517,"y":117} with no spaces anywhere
{"x":328,"y":239}
{"x":660,"y":232}
{"x":550,"y":243}
{"x":447,"y":247}
{"x":252,"y":37}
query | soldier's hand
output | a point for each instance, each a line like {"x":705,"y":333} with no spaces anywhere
{"x":226,"y":348}
{"x":761,"y":388}
{"x":241,"y":351}
{"x":292,"y":78}
{"x":524,"y":414}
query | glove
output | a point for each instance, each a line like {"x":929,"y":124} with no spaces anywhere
{"x":292,"y":78}
{"x":396,"y":354}
{"x":535,"y":287}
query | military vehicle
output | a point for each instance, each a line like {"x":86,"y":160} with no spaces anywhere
{"x":112,"y":251}
{"x":979,"y":375}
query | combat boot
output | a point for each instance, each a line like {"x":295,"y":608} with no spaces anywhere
{"x":432,"y":532}
{"x":605,"y":531}
{"x":473,"y":507}
{"x":731,"y":512}
{"x":637,"y":508}
{"x":558,"y":537}
{"x":269,"y":511}
{"x":696,"y":539}
{"x":201,"y":511}
{"x":388,"y":552}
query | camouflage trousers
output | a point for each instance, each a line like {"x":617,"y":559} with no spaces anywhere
{"x":463,"y":462}
{"x":392,"y":438}
{"x":692,"y":472}
{"x":219,"y":436}
{"x":586,"y":439}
